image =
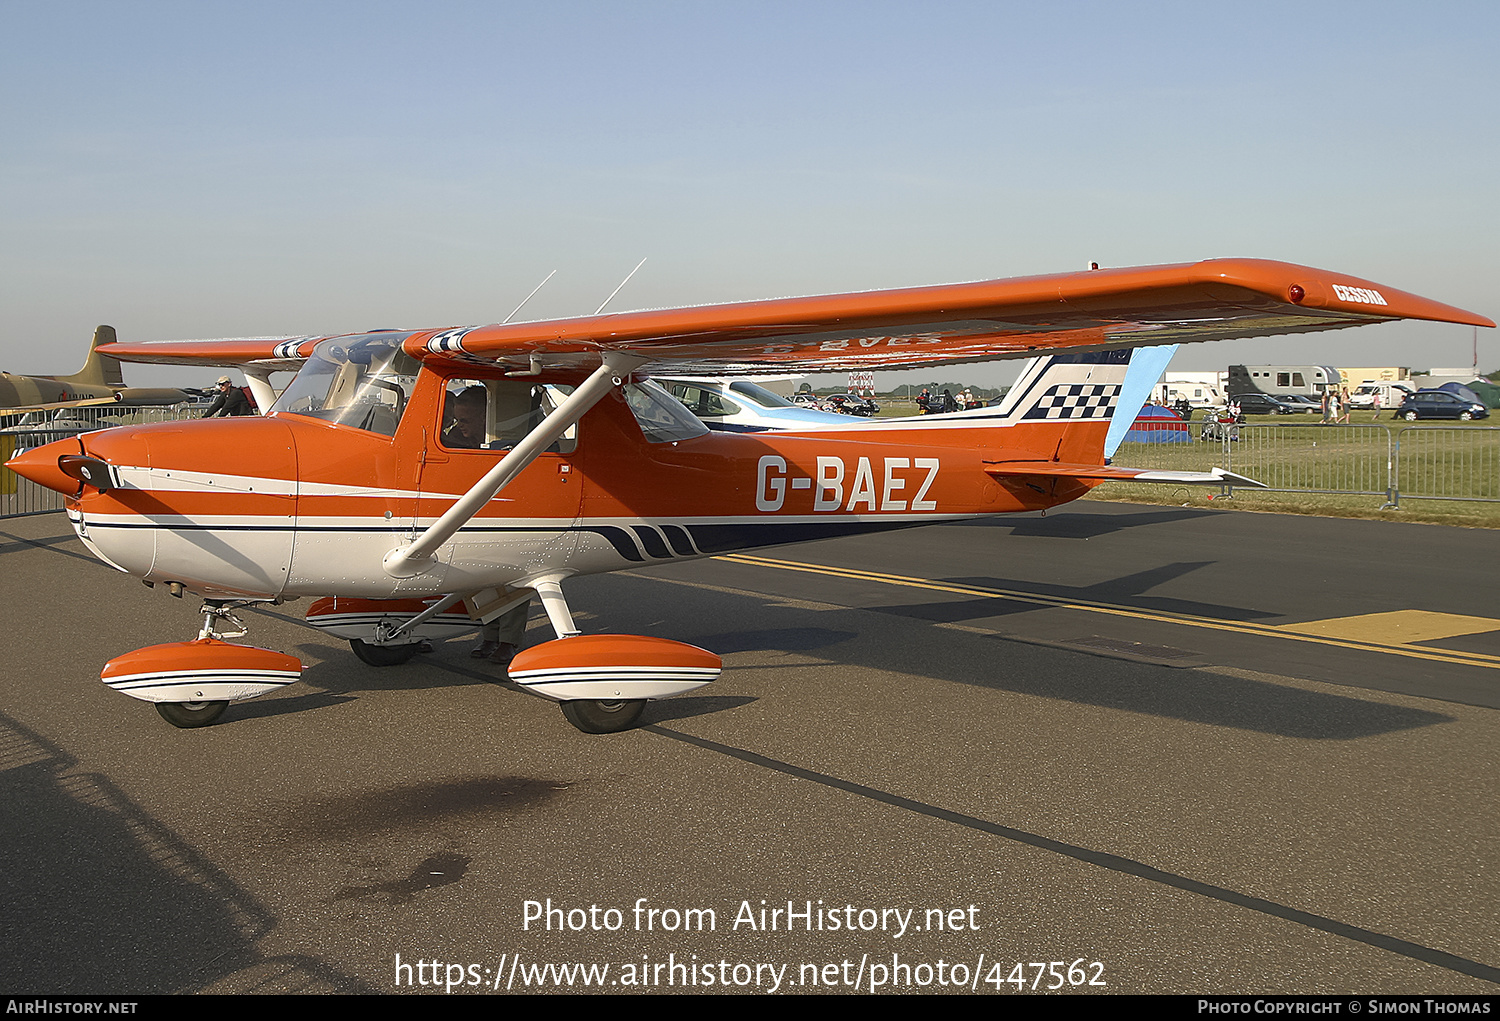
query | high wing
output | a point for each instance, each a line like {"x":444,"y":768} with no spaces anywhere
{"x":1218,"y":299}
{"x":273,"y":354}
{"x":927,"y":326}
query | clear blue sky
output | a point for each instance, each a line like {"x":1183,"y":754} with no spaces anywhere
{"x":217,"y":169}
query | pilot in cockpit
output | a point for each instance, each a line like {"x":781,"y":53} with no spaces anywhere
{"x":464,"y":419}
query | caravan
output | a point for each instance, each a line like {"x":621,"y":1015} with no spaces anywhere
{"x":1310,"y":380}
{"x":1200,"y":390}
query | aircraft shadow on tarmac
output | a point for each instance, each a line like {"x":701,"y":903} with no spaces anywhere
{"x":1129,"y":589}
{"x":51,"y":543}
{"x":786,"y":639}
{"x":685,"y":707}
{"x":900,"y":644}
{"x":419,"y":807}
{"x":1065,"y":525}
{"x":102,"y":896}
{"x":1198,"y":696}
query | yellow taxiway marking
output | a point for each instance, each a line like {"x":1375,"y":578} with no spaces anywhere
{"x":1398,"y":627}
{"x":1292,"y":632}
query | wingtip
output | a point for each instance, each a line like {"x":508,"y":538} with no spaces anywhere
{"x":1310,"y":287}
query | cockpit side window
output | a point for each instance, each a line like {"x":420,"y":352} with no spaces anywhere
{"x":496,"y":414}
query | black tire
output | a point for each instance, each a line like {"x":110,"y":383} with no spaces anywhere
{"x":1466,"y":416}
{"x":599,"y":717}
{"x":1410,"y":416}
{"x":188,"y":715}
{"x":383,"y":655}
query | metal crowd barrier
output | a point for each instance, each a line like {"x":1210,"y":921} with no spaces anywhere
{"x":1447,"y":463}
{"x":20,"y":496}
{"x":1391,"y":460}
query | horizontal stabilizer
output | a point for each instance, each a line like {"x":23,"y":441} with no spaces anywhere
{"x":1105,"y":473}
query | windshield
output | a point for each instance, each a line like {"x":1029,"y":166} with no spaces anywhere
{"x":359,"y":381}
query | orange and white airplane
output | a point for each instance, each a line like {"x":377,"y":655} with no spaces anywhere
{"x":421,"y":482}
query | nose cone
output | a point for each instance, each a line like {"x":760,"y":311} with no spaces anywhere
{"x":39,"y":464}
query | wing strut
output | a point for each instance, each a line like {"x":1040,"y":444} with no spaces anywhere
{"x":258,"y":379}
{"x":411,"y":560}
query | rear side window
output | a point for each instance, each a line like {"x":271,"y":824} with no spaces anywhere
{"x":661,"y":416}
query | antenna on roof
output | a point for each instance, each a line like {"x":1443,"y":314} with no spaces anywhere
{"x":617,"y":289}
{"x":528,"y":297}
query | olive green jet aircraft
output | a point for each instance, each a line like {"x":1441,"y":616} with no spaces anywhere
{"x":98,"y":382}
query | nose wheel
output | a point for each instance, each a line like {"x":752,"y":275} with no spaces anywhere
{"x":189,"y":715}
{"x":206,"y":674}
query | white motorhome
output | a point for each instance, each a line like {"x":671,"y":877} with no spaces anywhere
{"x":1197,"y":392}
{"x":1310,"y":380}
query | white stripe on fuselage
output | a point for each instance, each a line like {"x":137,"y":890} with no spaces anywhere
{"x":167,"y":480}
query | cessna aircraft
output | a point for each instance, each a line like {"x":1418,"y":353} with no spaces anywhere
{"x":421,"y":482}
{"x":98,"y":382}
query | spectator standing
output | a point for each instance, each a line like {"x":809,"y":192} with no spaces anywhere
{"x":230,"y":402}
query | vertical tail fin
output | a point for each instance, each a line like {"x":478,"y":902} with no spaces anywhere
{"x":98,"y":370}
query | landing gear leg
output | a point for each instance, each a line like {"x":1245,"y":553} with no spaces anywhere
{"x":592,"y":716}
{"x":189,"y":715}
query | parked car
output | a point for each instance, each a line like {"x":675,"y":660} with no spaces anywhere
{"x":1440,"y":404}
{"x":852,"y":404}
{"x":1262,"y":404}
{"x":1301,"y":403}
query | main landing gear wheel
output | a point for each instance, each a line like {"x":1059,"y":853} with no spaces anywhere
{"x":191,"y":714}
{"x":599,"y":717}
{"x":383,"y":655}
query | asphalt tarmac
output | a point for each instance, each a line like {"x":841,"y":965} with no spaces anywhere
{"x":1116,"y":749}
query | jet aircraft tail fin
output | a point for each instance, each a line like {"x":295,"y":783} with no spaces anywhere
{"x":98,"y":370}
